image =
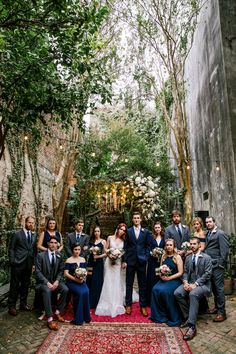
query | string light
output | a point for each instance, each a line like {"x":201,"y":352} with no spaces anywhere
{"x":126,"y":160}
{"x":158,"y":164}
{"x":26,"y":137}
{"x":188,"y":167}
{"x":217,"y":168}
{"x":93,"y":154}
{"x":61,"y":147}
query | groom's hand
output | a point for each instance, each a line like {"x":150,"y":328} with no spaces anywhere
{"x":124,"y":265}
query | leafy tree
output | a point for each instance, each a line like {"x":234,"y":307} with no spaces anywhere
{"x":51,"y":62}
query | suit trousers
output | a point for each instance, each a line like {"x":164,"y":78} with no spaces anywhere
{"x":217,"y":282}
{"x":19,"y":283}
{"x":189,"y":302}
{"x":142,"y":283}
{"x":47,"y":298}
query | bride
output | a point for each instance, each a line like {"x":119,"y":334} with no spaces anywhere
{"x":111,"y":302}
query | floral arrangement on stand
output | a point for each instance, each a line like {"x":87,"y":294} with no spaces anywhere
{"x":146,"y":195}
{"x":114,"y":254}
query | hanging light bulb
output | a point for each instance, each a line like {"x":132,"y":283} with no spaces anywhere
{"x":126,"y":160}
{"x":188,"y":167}
{"x":158,"y":164}
{"x":26,"y":137}
{"x":61,"y":147}
{"x":217,"y":168}
{"x":93,"y":154}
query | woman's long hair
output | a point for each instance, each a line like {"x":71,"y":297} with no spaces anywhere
{"x":119,"y":227}
{"x":92,"y":238}
{"x":175,"y":253}
{"x":162,"y":229}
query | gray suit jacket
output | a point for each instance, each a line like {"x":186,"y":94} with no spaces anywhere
{"x":83,"y":242}
{"x":43,"y":269}
{"x":203,"y":270}
{"x":217,"y":247}
{"x":19,"y":250}
{"x":171,"y":232}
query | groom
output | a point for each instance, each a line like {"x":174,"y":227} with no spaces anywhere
{"x":137,"y":248}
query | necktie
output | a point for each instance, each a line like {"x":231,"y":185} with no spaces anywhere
{"x":208,"y":236}
{"x":179,"y":231}
{"x":28,"y":237}
{"x":194,"y":262}
{"x":53,"y":260}
{"x":77,"y":237}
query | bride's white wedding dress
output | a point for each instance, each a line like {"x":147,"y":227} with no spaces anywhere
{"x":111,"y":302}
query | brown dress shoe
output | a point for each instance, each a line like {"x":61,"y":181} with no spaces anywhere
{"x":143,"y":311}
{"x":190,"y":333}
{"x":128,"y":310}
{"x":12,"y":312}
{"x":60,"y":318}
{"x":53,"y":325}
{"x":219,"y":318}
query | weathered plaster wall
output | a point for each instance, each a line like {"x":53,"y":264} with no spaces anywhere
{"x":211,"y":110}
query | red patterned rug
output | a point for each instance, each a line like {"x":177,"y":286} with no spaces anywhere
{"x":115,"y":338}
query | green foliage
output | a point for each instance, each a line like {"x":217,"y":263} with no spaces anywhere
{"x":51,"y":62}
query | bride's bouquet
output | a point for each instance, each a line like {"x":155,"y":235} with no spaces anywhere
{"x":114,"y":254}
{"x":157,"y":252}
{"x":81,"y":273}
{"x":186,"y":246}
{"x":163,"y":270}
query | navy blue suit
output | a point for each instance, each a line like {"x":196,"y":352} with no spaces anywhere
{"x":136,"y":256}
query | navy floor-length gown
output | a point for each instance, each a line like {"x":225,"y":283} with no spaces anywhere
{"x":164,"y":308}
{"x":153,"y":263}
{"x":95,"y":276}
{"x":80,"y":294}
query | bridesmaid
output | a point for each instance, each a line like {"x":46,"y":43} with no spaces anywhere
{"x":199,"y":232}
{"x":153,"y":263}
{"x":96,"y":267}
{"x":77,"y":287}
{"x":164,"y":308}
{"x":45,"y":236}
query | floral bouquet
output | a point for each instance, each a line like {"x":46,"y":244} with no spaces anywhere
{"x":81,"y":273}
{"x":95,"y":250}
{"x":114,"y":254}
{"x":163,"y":270}
{"x":157,"y":252}
{"x":186,"y":246}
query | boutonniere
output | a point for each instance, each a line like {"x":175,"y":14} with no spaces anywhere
{"x":184,"y":226}
{"x":58,"y":255}
{"x":142,"y":229}
{"x":85,"y":248}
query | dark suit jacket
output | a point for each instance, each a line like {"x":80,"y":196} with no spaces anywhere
{"x":137,"y":250}
{"x":43,"y":269}
{"x":203,"y":270}
{"x":171,"y":232}
{"x":83,"y":242}
{"x":217,"y":247}
{"x":19,"y":249}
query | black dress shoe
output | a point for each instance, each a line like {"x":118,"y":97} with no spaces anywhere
{"x":25,"y":308}
{"x":190,"y":333}
{"x":75,"y":323}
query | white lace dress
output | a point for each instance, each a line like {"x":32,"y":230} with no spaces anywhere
{"x":111,"y":302}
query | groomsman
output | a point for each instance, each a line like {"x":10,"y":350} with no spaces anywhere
{"x":196,"y":285}
{"x":137,"y":249}
{"x":179,"y":232}
{"x":22,"y":250}
{"x":49,"y":269}
{"x":217,"y":247}
{"x":78,"y":236}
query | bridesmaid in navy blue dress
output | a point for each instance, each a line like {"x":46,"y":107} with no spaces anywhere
{"x":164,"y":308}
{"x":96,"y":267}
{"x":77,"y":287}
{"x":45,"y":236}
{"x":153,"y":262}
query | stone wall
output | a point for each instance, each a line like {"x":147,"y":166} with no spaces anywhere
{"x":211,"y":110}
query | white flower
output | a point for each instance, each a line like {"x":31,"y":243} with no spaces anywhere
{"x":151,"y":184}
{"x":151,"y":194}
{"x":137,"y":180}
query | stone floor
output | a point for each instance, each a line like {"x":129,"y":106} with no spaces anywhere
{"x":25,"y":333}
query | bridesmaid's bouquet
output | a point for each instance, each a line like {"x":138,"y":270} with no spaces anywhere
{"x":95,"y":250}
{"x":81,"y":273}
{"x":186,"y":246}
{"x":114,"y":254}
{"x":163,"y":270}
{"x":157,"y":252}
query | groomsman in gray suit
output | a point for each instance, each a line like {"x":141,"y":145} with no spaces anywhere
{"x":217,"y":247}
{"x":49,"y":270}
{"x":196,"y":285}
{"x":22,"y":250}
{"x":177,"y":231}
{"x":78,"y":236}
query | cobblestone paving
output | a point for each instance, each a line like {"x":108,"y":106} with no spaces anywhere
{"x":25,"y":333}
